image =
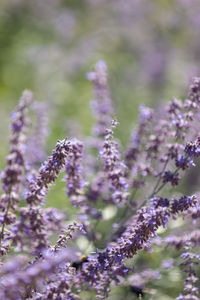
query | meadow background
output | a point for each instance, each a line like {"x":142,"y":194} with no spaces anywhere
{"x":152,"y":48}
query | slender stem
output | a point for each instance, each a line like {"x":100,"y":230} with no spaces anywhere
{"x":126,"y":213}
{"x":160,"y":177}
{"x":158,"y":189}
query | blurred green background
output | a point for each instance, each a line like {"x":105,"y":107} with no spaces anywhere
{"x":152,"y":48}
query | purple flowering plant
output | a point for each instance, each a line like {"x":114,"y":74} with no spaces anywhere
{"x":132,"y":193}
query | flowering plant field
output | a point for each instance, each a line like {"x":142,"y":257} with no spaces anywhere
{"x":127,"y":205}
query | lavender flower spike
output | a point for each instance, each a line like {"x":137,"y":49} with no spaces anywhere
{"x":32,"y":221}
{"x":73,"y":178}
{"x":35,"y":147}
{"x":48,"y":173}
{"x":114,"y":168}
{"x":138,"y":134}
{"x":13,"y":174}
{"x":67,"y":235}
{"x":102,"y":104}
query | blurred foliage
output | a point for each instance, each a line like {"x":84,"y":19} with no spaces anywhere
{"x":152,"y":49}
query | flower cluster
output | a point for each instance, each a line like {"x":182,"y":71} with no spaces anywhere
{"x":20,"y":284}
{"x":122,"y":211}
{"x":99,"y":271}
{"x":12,"y":176}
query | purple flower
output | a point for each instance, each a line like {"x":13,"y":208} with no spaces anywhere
{"x":160,"y":202}
{"x":193,"y":148}
{"x":73,"y":178}
{"x":171,"y":177}
{"x":114,"y":169}
{"x":48,"y":172}
{"x":35,"y":152}
{"x":182,"y":204}
{"x":110,"y":206}
{"x":12,"y":176}
{"x":102,"y":104}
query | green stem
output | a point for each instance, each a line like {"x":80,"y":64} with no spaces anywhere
{"x":160,"y":177}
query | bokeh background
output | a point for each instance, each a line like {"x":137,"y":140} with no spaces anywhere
{"x":152,"y":48}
